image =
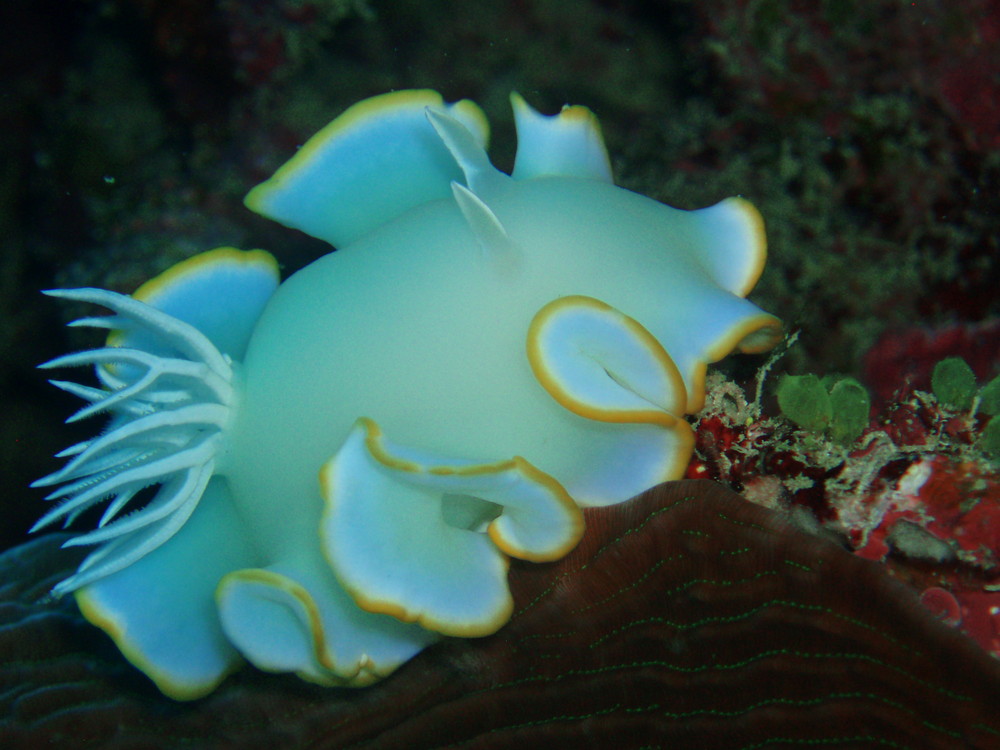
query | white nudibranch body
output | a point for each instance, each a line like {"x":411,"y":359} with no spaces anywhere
{"x":345,"y":463}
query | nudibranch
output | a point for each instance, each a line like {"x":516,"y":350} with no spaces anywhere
{"x":342,"y":466}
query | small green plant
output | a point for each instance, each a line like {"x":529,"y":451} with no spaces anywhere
{"x":851,"y":408}
{"x":989,"y":397}
{"x":805,"y":401}
{"x":837,"y":406}
{"x":989,"y":440}
{"x":954,"y":383}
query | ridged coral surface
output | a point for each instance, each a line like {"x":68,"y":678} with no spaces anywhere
{"x":685,"y":618}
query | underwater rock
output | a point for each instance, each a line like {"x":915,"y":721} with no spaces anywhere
{"x":685,"y":617}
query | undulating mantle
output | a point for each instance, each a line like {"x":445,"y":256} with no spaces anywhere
{"x":345,"y":466}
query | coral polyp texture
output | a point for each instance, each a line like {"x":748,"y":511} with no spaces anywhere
{"x":346,"y":464}
{"x":686,"y":618}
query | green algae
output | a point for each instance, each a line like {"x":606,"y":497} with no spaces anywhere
{"x":989,"y":397}
{"x":805,"y":401}
{"x":954,"y":383}
{"x":835,"y":405}
{"x":851,"y":406}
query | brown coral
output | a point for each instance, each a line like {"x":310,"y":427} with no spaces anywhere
{"x":687,"y":617}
